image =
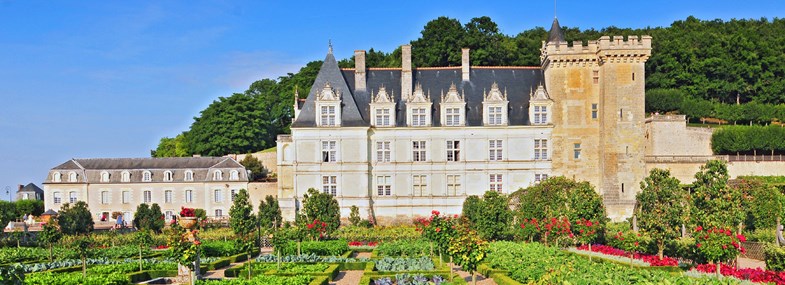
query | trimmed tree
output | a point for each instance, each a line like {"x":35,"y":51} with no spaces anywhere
{"x":49,"y":235}
{"x":491,"y":215}
{"x":714,"y":204}
{"x":242,"y":221}
{"x":75,"y":219}
{"x":660,"y":207}
{"x":323,"y":207}
{"x":269,"y":213}
{"x":143,"y":239}
{"x":149,"y":218}
{"x":82,"y":245}
{"x":467,"y":249}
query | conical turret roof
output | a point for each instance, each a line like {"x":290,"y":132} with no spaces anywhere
{"x":555,"y":35}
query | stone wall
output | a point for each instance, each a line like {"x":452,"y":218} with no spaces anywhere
{"x":668,"y":135}
{"x":268,"y":158}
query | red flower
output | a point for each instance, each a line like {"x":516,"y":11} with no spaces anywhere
{"x":197,"y":242}
{"x":741,"y":237}
{"x":435,"y":213}
{"x":698,"y":245}
{"x":699,"y":228}
{"x":438,"y":230}
{"x":636,"y":243}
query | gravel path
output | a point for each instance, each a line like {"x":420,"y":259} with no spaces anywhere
{"x":751,"y":263}
{"x":481,"y":280}
{"x":362,"y":255}
{"x":351,"y":277}
{"x":220,"y":272}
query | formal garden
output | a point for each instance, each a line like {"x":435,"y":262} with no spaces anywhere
{"x":555,"y":232}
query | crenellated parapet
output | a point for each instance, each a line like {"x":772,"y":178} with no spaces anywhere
{"x":617,"y":50}
{"x":606,"y":49}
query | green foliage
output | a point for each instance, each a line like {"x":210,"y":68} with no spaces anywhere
{"x":181,"y":248}
{"x":762,"y":203}
{"x":322,"y":207}
{"x":241,"y":217}
{"x":466,"y":247}
{"x":149,"y":218}
{"x":75,"y":278}
{"x":354,"y":215}
{"x":12,"y":275}
{"x":749,"y":140}
{"x":717,"y":244}
{"x":376,"y":234}
{"x":172,"y":147}
{"x":423,"y":263}
{"x":75,"y":219}
{"x":7,"y":213}
{"x":714,"y":204}
{"x":269,"y":213}
{"x":29,"y":207}
{"x":219,"y":248}
{"x":253,"y":164}
{"x":491,"y":215}
{"x":661,"y":207}
{"x":411,"y":248}
{"x":261,"y":279}
{"x":663,"y":100}
{"x":775,"y":257}
{"x":49,"y":235}
{"x":438,"y":229}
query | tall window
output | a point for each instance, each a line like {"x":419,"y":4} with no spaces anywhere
{"x":189,"y":196}
{"x":328,"y":116}
{"x":189,"y":175}
{"x":576,"y":151}
{"x":232,"y":195}
{"x":453,"y":150}
{"x":330,"y":185}
{"x":329,"y":151}
{"x":219,"y":213}
{"x":168,"y":176}
{"x":383,"y":117}
{"x":383,"y":151}
{"x":540,"y":177}
{"x":218,"y":196}
{"x":419,"y":185}
{"x":418,"y":151}
{"x":540,"y":149}
{"x":169,"y":215}
{"x":104,"y":176}
{"x":540,"y":115}
{"x":495,"y":182}
{"x":234,"y":175}
{"x":168,"y":196}
{"x":72,"y":197}
{"x":495,"y":115}
{"x":594,"y":110}
{"x":495,"y":150}
{"x":453,"y":117}
{"x":57,"y":197}
{"x":418,"y":117}
{"x":147,"y":176}
{"x":72,"y":177}
{"x":148,"y":196}
{"x":383,"y":187}
{"x":126,"y":176}
{"x":218,"y":175}
{"x":104,"y":197}
{"x":453,"y":185}
{"x":126,"y":197}
{"x":57,"y":177}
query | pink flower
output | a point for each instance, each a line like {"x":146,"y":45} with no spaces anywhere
{"x":435,"y":213}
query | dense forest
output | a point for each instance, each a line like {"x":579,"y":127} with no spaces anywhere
{"x":728,"y":71}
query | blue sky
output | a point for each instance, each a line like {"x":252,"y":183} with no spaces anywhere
{"x":85,"y":79}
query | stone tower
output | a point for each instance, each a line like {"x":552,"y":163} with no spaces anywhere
{"x":598,"y":115}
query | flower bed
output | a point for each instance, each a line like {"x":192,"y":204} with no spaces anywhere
{"x":410,"y":248}
{"x":405,"y":278}
{"x":754,"y":275}
{"x":651,"y":260}
{"x":362,"y":243}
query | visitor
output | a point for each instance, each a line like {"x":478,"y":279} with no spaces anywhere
{"x":119,"y":221}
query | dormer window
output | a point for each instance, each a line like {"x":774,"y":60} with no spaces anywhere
{"x":218,"y":175}
{"x":540,"y":105}
{"x":234,"y":175}
{"x":453,"y":107}
{"x":495,"y":106}
{"x":104,"y":176}
{"x":125,"y":176}
{"x":328,"y":104}
{"x":189,"y":175}
{"x":168,"y":176}
{"x":72,"y":177}
{"x":383,"y":109}
{"x":147,"y":176}
{"x":540,"y":115}
{"x":418,"y":108}
{"x":57,"y":177}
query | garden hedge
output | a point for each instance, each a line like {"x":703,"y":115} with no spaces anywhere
{"x":749,"y":140}
{"x":775,"y":258}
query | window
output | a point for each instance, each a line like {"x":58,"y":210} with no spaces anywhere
{"x":540,"y":149}
{"x":104,"y":197}
{"x":148,"y":196}
{"x":234,"y":175}
{"x":328,"y":116}
{"x":126,"y":176}
{"x":540,"y":177}
{"x":72,"y":197}
{"x":383,"y":187}
{"x":383,"y":151}
{"x":418,"y":117}
{"x":57,"y":177}
{"x":168,"y":196}
{"x":495,"y":150}
{"x":328,"y":151}
{"x":596,"y":76}
{"x":453,"y":150}
{"x":26,"y":196}
{"x":219,"y":213}
{"x":540,"y":115}
{"x":576,"y":151}
{"x":453,"y":117}
{"x":232,"y":195}
{"x":147,"y":176}
{"x":419,"y":185}
{"x":453,"y":184}
{"x":72,"y":177}
{"x":330,"y":185}
{"x":418,"y":151}
{"x":594,"y":111}
{"x":189,"y":196}
{"x":189,"y":175}
{"x":126,"y":197}
{"x":104,"y":176}
{"x":168,"y":176}
{"x":495,"y":181}
{"x":218,"y":197}
{"x":169,"y":215}
{"x":383,"y":117}
{"x":57,"y":197}
{"x":495,"y":115}
{"x":218,"y":175}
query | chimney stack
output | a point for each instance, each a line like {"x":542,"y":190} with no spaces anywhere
{"x":20,"y":187}
{"x":359,"y":70}
{"x":406,"y":71}
{"x":465,"y":64}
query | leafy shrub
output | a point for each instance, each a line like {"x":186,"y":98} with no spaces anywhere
{"x":376,"y":234}
{"x":490,"y":215}
{"x":762,"y":235}
{"x":75,"y":278}
{"x":748,"y":140}
{"x":404,"y":264}
{"x":663,"y":100}
{"x":323,"y":248}
{"x":404,"y":248}
{"x":775,"y":257}
{"x":323,"y":207}
{"x":221,"y":248}
{"x":309,"y":258}
{"x":261,"y":279}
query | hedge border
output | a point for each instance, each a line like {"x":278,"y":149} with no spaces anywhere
{"x":331,"y":272}
{"x":367,"y":278}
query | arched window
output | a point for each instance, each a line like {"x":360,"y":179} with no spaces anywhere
{"x":104,"y":176}
{"x":147,"y":176}
{"x":189,"y":175}
{"x":218,"y":175}
{"x":57,"y":177}
{"x":58,"y":197}
{"x":72,"y":177}
{"x":126,"y":176}
{"x":168,"y":176}
{"x":234,"y":175}
{"x":72,"y":197}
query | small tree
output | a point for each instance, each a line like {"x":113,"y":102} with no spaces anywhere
{"x":143,"y":239}
{"x":201,"y":216}
{"x":660,"y":207}
{"x":495,"y":217}
{"x":324,"y":207}
{"x":269,"y":213}
{"x":258,"y":172}
{"x":467,"y":248}
{"x":714,"y":204}
{"x":82,"y":245}
{"x":243,"y":222}
{"x":49,"y":235}
{"x":149,"y":218}
{"x":75,"y":219}
{"x":718,"y":244}
{"x":354,"y":215}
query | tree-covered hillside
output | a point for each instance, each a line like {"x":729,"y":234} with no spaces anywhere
{"x":697,"y":67}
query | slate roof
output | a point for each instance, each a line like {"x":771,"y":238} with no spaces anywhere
{"x":89,"y":170}
{"x":144,"y":163}
{"x":555,"y":34}
{"x":30,"y":187}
